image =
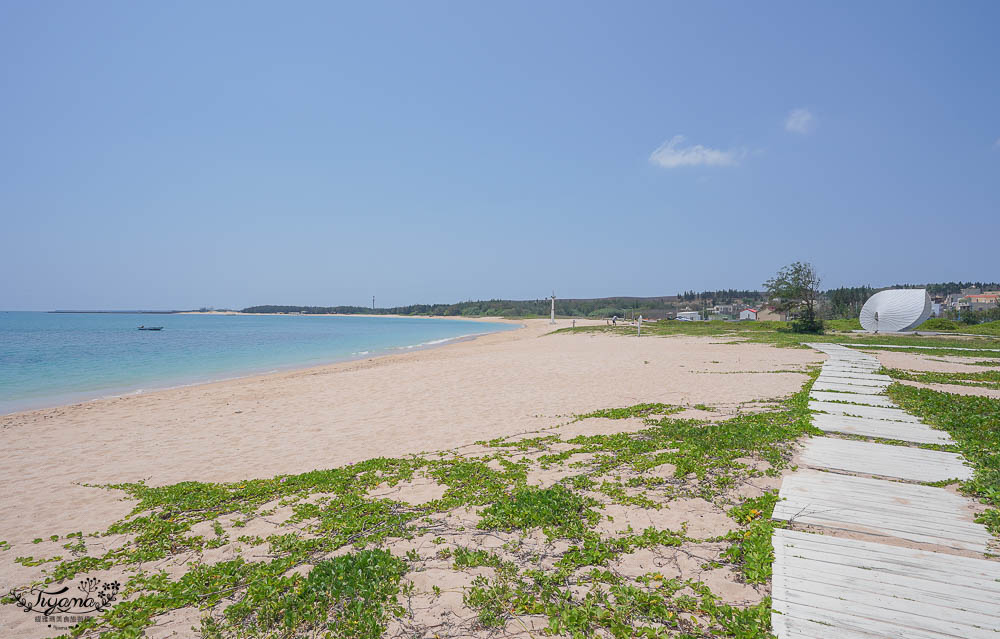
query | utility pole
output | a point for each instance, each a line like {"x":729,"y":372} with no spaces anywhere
{"x":552,"y":316}
{"x":373,"y":302}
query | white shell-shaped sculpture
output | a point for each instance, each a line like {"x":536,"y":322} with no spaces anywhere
{"x":898,"y":309}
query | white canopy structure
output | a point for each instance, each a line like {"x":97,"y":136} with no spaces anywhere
{"x":899,"y":309}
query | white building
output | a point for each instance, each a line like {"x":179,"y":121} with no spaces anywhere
{"x":748,"y":314}
{"x":689,"y":316}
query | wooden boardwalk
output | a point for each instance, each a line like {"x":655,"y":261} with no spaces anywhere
{"x":871,"y":412}
{"x":885,"y":460}
{"x":878,"y":428}
{"x":834,"y":379}
{"x":887,"y":509}
{"x":853,"y":398}
{"x":830,"y":385}
{"x":833,"y":588}
{"x":829,"y":586}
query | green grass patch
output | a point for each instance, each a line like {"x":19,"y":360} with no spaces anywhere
{"x":348,"y":596}
{"x":639,"y":410}
{"x":751,"y":547}
{"x":986,"y":328}
{"x":354,"y":594}
{"x":781,"y":334}
{"x":984,"y":379}
{"x":939,"y":324}
{"x":843,"y":325}
{"x":557,"y":508}
{"x":974,"y":423}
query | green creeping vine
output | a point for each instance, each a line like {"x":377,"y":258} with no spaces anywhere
{"x":985,"y":379}
{"x":309,"y":585}
{"x":973,"y":422}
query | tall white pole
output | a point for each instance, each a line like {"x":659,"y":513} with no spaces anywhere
{"x":552,"y":314}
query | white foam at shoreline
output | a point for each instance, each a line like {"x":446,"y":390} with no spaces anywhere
{"x":83,"y":397}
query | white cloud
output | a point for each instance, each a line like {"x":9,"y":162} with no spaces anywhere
{"x":671,"y":155}
{"x":800,"y":121}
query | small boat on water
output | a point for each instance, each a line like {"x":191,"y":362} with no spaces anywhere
{"x":150,"y":328}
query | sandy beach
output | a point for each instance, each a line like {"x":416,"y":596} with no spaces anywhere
{"x":496,"y":385}
{"x":437,"y":401}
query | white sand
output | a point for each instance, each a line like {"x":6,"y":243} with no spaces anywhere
{"x":293,"y":422}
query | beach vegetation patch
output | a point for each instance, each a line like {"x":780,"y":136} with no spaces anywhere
{"x":348,"y":596}
{"x":982,"y":379}
{"x":339,"y":552}
{"x":751,"y":549}
{"x":557,"y":508}
{"x":639,"y":410}
{"x":973,"y":421}
{"x":783,"y":334}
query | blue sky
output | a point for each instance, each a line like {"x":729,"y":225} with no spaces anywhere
{"x":175,"y":155}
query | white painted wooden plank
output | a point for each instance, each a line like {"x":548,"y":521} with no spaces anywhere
{"x":851,"y":361}
{"x":880,"y":515}
{"x":832,"y":587}
{"x":867,"y":427}
{"x":960,"y":597}
{"x":937,"y":516}
{"x":839,"y":616}
{"x":903,"y":568}
{"x":878,"y":525}
{"x":860,"y":518}
{"x":843,"y":613}
{"x":901,"y":462}
{"x":847,"y":388}
{"x":871,"y":412}
{"x":924,"y":563}
{"x":851,"y":378}
{"x":846,"y":368}
{"x":895,"y":490}
{"x":803,"y":588}
{"x":874,"y":377}
{"x":870,"y":400}
{"x":831,"y":379}
{"x":937,"y":511}
{"x":857,"y":371}
{"x":832,"y":348}
{"x":788,"y":627}
{"x":907,"y":562}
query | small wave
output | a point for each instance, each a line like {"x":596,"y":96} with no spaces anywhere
{"x":443,"y":340}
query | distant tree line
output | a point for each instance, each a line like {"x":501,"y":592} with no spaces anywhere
{"x":600,"y":307}
{"x":948,"y":288}
{"x":846,"y":302}
{"x":838,"y":303}
{"x":727,"y":296}
{"x":974,"y":317}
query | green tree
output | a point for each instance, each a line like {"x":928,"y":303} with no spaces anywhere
{"x":795,"y":289}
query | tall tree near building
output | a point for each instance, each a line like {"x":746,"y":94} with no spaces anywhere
{"x":795,"y":289}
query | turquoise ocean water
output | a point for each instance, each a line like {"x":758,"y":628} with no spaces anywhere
{"x":48,"y":359}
